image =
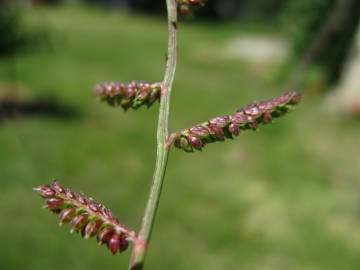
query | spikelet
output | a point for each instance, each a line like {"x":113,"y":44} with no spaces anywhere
{"x":131,"y":95}
{"x":86,"y":217}
{"x":186,"y":6}
{"x":220,"y":128}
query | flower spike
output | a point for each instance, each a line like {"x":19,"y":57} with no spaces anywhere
{"x":186,"y":6}
{"x":86,"y":216}
{"x":219,"y":128}
{"x":132,"y":95}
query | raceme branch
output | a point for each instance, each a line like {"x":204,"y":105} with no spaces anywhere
{"x":131,"y":95}
{"x":222,"y":127}
{"x":187,"y":6}
{"x":86,"y":217}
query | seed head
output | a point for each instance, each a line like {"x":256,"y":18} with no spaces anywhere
{"x":247,"y":118}
{"x":186,"y":6}
{"x":131,"y":95}
{"x":86,"y":216}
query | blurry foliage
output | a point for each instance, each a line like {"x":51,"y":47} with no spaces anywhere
{"x":15,"y":36}
{"x":214,"y":9}
{"x":303,"y":19}
{"x":248,"y":9}
{"x":322,"y":31}
{"x":264,"y":9}
{"x":11,"y":36}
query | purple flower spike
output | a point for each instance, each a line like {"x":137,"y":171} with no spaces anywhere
{"x":186,"y":6}
{"x":247,"y":118}
{"x":132,"y":95}
{"x":86,"y":217}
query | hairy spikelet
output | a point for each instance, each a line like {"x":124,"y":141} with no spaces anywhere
{"x":86,"y":217}
{"x":131,"y":95}
{"x":222,"y":127}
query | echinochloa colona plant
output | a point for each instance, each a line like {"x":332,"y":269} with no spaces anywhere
{"x":89,"y":218}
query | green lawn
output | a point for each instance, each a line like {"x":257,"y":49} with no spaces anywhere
{"x":284,"y":198}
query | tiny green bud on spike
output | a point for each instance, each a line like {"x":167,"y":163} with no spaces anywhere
{"x":183,"y":143}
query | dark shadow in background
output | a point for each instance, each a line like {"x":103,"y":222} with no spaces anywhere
{"x":13,"y":109}
{"x":15,"y":40}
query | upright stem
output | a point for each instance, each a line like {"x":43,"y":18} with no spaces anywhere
{"x":140,"y":248}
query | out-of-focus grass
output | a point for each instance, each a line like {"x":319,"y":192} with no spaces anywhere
{"x":286,"y":197}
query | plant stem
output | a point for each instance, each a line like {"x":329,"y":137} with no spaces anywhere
{"x":140,"y":249}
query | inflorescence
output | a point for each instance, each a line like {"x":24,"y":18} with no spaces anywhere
{"x":186,"y":6}
{"x":219,"y":128}
{"x":132,"y":95}
{"x":86,"y":217}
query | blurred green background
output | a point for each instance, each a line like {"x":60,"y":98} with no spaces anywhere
{"x":284,"y":197}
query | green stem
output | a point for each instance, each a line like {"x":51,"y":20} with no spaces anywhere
{"x":140,"y":247}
